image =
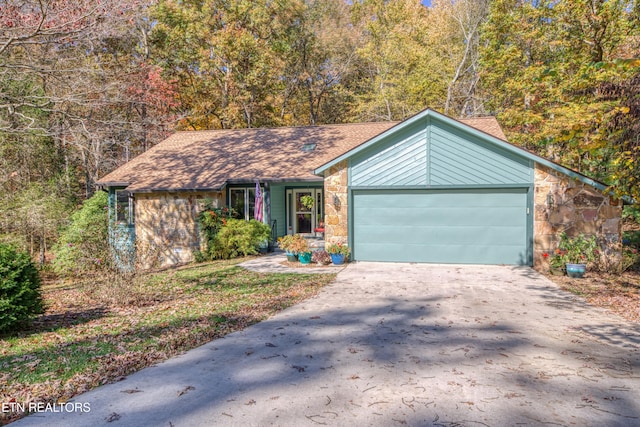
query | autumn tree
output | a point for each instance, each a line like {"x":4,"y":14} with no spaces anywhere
{"x":70,"y":104}
{"x":622,"y":131}
{"x":318,"y":51}
{"x":543,"y":65}
{"x":458,"y":37}
{"x":221,"y":54}
{"x":400,"y":67}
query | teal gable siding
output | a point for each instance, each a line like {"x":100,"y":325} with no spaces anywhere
{"x":399,"y":161}
{"x":460,"y":158}
{"x":278,"y":208}
{"x":431,"y":154}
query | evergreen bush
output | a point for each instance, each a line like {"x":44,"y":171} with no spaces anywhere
{"x":84,"y":244}
{"x":210,"y":221}
{"x":20,"y":297}
{"x":239,"y":238}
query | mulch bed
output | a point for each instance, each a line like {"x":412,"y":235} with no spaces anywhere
{"x":297,"y":264}
{"x":619,"y":293}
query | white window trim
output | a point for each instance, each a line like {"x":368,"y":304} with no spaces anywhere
{"x":317,"y":194}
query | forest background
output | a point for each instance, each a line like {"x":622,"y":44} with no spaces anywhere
{"x":86,"y":85}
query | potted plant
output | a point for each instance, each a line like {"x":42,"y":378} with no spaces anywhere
{"x":339,"y":253}
{"x":289,"y":243}
{"x":300,"y":246}
{"x":307,"y":201}
{"x":577,"y":252}
{"x":321,"y":257}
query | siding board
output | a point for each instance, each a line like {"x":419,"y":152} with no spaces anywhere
{"x":278,"y":208}
{"x":470,"y":160}
{"x":402,"y":161}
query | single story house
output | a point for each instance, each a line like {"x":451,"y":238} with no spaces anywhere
{"x":427,"y":189}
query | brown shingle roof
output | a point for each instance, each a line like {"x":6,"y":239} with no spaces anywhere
{"x":207,"y":160}
{"x":487,"y":125}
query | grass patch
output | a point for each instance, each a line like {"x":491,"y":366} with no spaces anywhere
{"x":100,"y":329}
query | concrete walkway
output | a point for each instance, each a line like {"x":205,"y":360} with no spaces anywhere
{"x":276,"y":262}
{"x":396,"y":344}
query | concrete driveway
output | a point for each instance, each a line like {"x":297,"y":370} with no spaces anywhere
{"x":396,"y":344}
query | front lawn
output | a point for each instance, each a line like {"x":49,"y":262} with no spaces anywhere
{"x":100,"y":329}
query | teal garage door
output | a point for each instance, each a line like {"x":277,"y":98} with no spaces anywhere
{"x":441,"y":226}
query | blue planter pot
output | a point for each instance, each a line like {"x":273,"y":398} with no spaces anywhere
{"x":291,"y":257}
{"x":337,"y":259}
{"x":304,"y":257}
{"x":576,"y":270}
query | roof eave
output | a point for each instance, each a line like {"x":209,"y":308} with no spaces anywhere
{"x":113,"y":184}
{"x":176,"y":190}
{"x":274,"y":180}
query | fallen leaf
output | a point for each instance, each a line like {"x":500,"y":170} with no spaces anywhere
{"x":186,"y":390}
{"x":112,"y":417}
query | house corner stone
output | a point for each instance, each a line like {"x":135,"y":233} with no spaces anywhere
{"x":336,"y":205}
{"x":562,"y":204}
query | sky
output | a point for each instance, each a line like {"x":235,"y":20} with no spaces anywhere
{"x":426,"y":2}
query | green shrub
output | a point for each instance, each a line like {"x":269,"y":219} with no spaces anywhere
{"x":239,"y":238}
{"x":631,"y":212}
{"x":630,"y":259}
{"x":579,"y":249}
{"x":631,"y":238}
{"x":200,"y":256}
{"x":630,"y":253}
{"x":210,"y":221}
{"x":84,"y":244}
{"x":20,"y":298}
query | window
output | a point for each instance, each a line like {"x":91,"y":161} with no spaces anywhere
{"x":125,"y":210}
{"x":243,"y":201}
{"x":308,"y":147}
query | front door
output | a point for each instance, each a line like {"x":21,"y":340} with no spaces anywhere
{"x":304,"y":207}
{"x":303,"y":218}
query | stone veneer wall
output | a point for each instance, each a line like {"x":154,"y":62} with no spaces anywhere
{"x":336,"y":204}
{"x":166,"y":228}
{"x":564,"y":204}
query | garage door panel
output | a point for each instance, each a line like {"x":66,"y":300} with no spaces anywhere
{"x":444,"y":254}
{"x":473,"y":216}
{"x":464,"y":226}
{"x":432,"y":235}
